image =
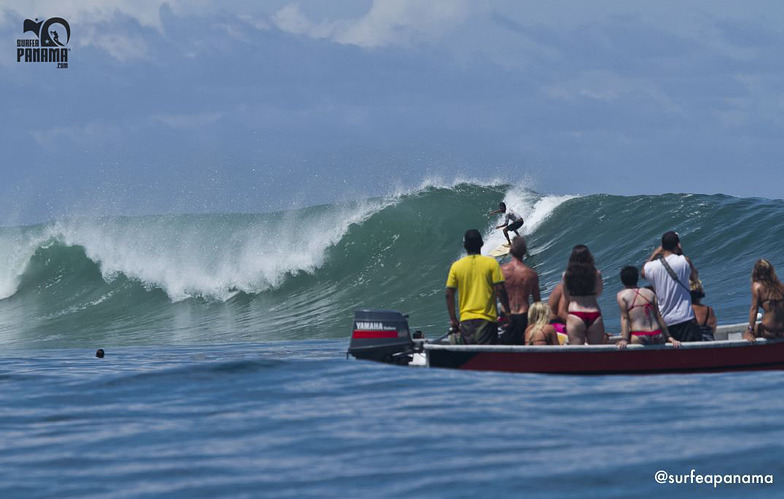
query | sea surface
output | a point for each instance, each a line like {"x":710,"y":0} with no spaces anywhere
{"x":225,"y":372}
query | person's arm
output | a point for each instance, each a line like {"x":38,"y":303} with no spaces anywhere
{"x":599,"y":284}
{"x":554,"y":300}
{"x":500,"y":292}
{"x":693,"y":275}
{"x":663,"y":325}
{"x":535,"y":293}
{"x":713,"y":322}
{"x":625,"y":320}
{"x":450,"y":306}
{"x":551,"y":335}
{"x":749,"y":334}
{"x":658,"y":251}
{"x":563,"y":305}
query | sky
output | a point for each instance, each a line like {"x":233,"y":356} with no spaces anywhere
{"x":249,"y":106}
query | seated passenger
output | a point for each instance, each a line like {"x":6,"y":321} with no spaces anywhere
{"x":582,"y":286}
{"x":540,"y":331}
{"x":703,"y":314}
{"x":558,"y":308}
{"x":766,"y":292}
{"x":641,"y":322}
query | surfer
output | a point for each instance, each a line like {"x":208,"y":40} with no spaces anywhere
{"x":767,"y":292}
{"x":521,"y":281}
{"x":478,"y":281}
{"x":641,"y":322}
{"x":512,"y":221}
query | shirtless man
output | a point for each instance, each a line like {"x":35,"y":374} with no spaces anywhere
{"x":641,"y":321}
{"x":512,"y":221}
{"x":521,"y":281}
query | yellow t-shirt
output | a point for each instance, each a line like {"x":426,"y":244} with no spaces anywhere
{"x":474,"y":276}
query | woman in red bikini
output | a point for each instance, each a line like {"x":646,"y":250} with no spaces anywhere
{"x":641,"y":321}
{"x":766,"y":292}
{"x":582,"y":286}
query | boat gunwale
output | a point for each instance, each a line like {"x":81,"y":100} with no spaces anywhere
{"x":699,"y":345}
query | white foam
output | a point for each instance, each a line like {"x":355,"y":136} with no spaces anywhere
{"x":218,"y":256}
{"x":208,"y":256}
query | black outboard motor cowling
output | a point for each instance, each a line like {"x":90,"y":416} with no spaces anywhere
{"x":381,"y":335}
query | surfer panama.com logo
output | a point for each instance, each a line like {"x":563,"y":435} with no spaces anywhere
{"x":52,"y":34}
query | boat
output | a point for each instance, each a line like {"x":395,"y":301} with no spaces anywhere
{"x":384,"y":336}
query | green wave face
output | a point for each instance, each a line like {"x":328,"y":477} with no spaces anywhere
{"x":300,"y":274}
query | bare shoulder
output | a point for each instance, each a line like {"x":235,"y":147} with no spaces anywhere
{"x":529,"y":272}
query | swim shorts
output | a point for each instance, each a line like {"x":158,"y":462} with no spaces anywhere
{"x":515,"y":330}
{"x":515,"y":225}
{"x":478,"y":332}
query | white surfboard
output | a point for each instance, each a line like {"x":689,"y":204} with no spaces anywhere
{"x":500,"y":251}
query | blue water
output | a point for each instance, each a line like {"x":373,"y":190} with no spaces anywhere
{"x":226,"y":375}
{"x":296,"y":419}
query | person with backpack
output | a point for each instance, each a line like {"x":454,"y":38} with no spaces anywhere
{"x":670,"y":273}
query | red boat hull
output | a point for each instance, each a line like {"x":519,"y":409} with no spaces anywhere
{"x":719,"y":356}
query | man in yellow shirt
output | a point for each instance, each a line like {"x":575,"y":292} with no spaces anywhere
{"x":477,"y":280}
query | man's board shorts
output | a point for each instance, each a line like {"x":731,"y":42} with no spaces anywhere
{"x":515,"y":330}
{"x":515,"y":225}
{"x":476,"y":332}
{"x":685,"y":331}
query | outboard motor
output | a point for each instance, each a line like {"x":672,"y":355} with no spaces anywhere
{"x":381,"y":335}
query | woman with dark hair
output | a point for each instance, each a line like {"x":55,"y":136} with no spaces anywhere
{"x":703,"y":314}
{"x":582,"y":286}
{"x":766,"y":292}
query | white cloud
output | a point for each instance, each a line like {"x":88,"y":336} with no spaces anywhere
{"x":291,"y":20}
{"x":388,"y":22}
{"x":89,"y":134}
{"x":91,"y":20}
{"x":187,"y":120}
{"x":594,"y":85}
{"x":400,"y":21}
{"x":146,"y":12}
{"x":123,"y":47}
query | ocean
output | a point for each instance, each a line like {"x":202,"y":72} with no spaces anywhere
{"x":225,"y":372}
